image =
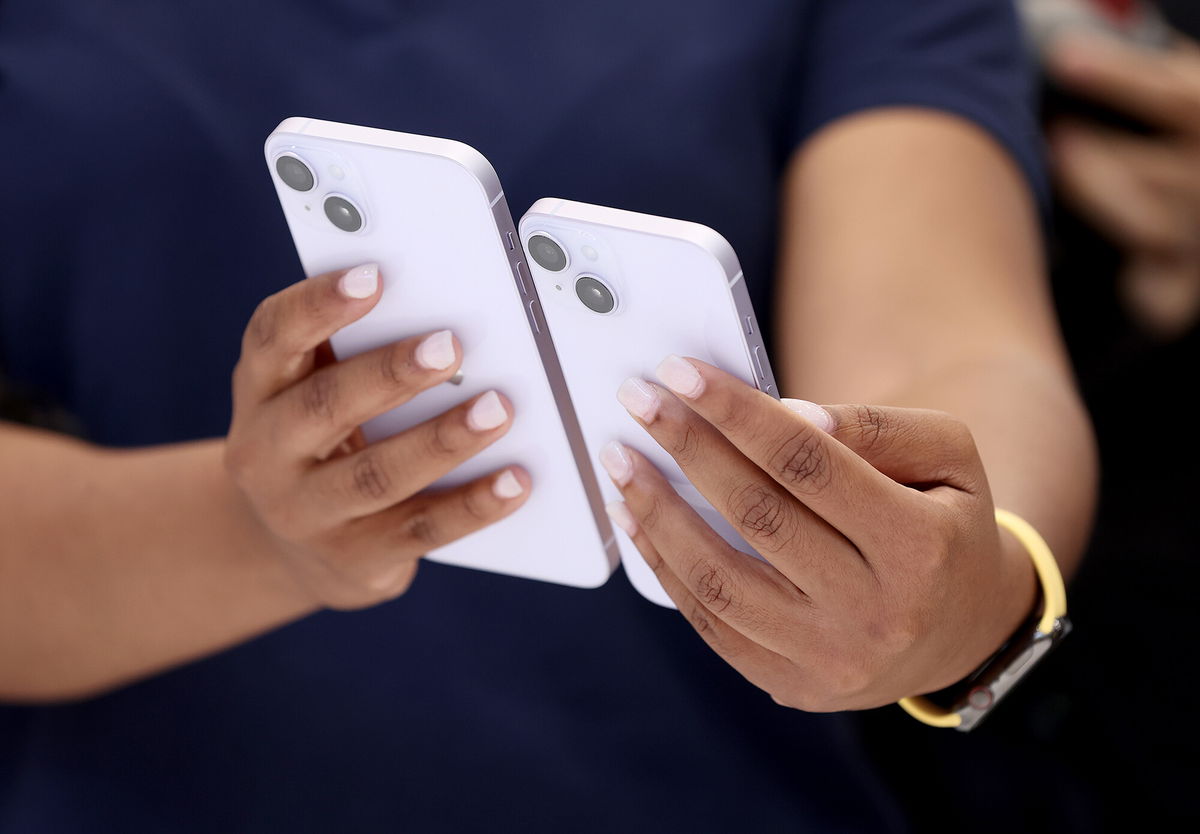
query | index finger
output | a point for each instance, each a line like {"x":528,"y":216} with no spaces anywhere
{"x":827,"y":477}
{"x":280,"y":341}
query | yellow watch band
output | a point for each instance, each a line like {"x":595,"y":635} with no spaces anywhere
{"x":1054,"y":607}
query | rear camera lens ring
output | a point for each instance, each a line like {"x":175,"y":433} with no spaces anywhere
{"x":295,"y":173}
{"x":547,"y":252}
{"x":342,"y":213}
{"x":595,"y":294}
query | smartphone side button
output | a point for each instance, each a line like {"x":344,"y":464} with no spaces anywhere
{"x":749,"y":325}
{"x":758,"y":362}
{"x":512,"y":244}
{"x":535,"y":317}
{"x":522,"y":277}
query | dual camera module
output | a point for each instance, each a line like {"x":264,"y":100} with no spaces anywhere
{"x":544,"y":250}
{"x":549,"y":254}
{"x":299,"y":177}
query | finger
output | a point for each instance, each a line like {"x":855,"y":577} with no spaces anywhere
{"x":322,"y":409}
{"x":279,"y":342}
{"x":1123,"y":184}
{"x":835,"y":483}
{"x":396,"y":468}
{"x":783,"y":530}
{"x":367,"y":547}
{"x":1158,"y":87}
{"x":742,"y":591}
{"x":764,"y":668}
{"x":920,"y":448}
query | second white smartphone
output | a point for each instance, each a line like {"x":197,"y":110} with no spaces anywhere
{"x":431,"y":213}
{"x":619,"y":292}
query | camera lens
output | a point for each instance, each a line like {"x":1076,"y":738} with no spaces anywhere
{"x":343,"y":214}
{"x":294,"y":173}
{"x":594,"y":295}
{"x":546,"y":253}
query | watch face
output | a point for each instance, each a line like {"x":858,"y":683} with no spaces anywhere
{"x":996,"y":678}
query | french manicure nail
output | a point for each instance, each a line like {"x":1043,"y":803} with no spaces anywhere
{"x":811,"y":412}
{"x":507,"y":485}
{"x":616,"y":462}
{"x":436,"y":351}
{"x":680,"y":376}
{"x":639,"y":399}
{"x":360,"y":282}
{"x":487,"y":413}
{"x":618,"y":511}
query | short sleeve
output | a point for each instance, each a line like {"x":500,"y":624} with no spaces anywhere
{"x":965,"y":57}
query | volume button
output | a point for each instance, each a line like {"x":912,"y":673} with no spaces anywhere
{"x":535,"y":316}
{"x":758,"y":362}
{"x":522,"y":277}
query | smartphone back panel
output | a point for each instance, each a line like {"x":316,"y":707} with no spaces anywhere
{"x":434,"y":218}
{"x":677,"y":288}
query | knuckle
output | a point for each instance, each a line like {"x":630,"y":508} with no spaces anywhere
{"x":443,"y":440}
{"x":396,"y":366}
{"x":421,"y":528}
{"x":873,"y":427}
{"x":763,"y":515}
{"x":686,"y":446}
{"x":802,"y":463}
{"x":478,"y":505}
{"x":732,"y":417}
{"x":652,"y":516}
{"x":318,"y":394}
{"x":712,"y":585}
{"x":369,"y":477}
{"x":698,"y":618}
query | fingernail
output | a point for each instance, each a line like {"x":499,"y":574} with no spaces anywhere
{"x":436,"y":351}
{"x":618,"y":511}
{"x":616,"y":462}
{"x":487,"y":413}
{"x":507,"y":485}
{"x":360,"y":282}
{"x":811,"y":412}
{"x":680,"y":376}
{"x":639,"y":399}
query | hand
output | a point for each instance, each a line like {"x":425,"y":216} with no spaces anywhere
{"x":1141,"y":191}
{"x":872,"y":590}
{"x":349,"y":519}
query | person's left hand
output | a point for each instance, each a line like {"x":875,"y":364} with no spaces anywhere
{"x":884,"y":572}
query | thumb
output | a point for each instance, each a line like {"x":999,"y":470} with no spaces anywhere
{"x":913,"y":446}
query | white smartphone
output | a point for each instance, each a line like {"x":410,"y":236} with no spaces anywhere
{"x":432,"y":214}
{"x":620,"y":291}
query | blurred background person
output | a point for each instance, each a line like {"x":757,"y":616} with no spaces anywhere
{"x":1109,"y":734}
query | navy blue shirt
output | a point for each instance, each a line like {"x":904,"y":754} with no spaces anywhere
{"x":139,"y":228}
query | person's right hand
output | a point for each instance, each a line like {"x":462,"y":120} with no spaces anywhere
{"x":350,"y":519}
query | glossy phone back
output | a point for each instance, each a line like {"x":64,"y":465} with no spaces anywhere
{"x":435,"y":220}
{"x":678,"y":289}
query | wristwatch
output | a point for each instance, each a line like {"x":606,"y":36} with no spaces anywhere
{"x":965,"y":704}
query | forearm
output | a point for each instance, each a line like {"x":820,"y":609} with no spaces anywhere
{"x":912,"y":276}
{"x":116,"y":564}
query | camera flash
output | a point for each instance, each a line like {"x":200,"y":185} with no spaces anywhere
{"x":336,"y":172}
{"x":590,"y":253}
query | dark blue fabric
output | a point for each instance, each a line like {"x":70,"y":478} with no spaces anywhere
{"x":138,"y":229}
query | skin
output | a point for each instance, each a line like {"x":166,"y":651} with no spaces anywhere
{"x":126,"y":563}
{"x":123,"y":563}
{"x":1141,"y":191}
{"x":884,"y":573}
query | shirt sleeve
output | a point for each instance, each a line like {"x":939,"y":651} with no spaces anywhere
{"x":966,"y":57}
